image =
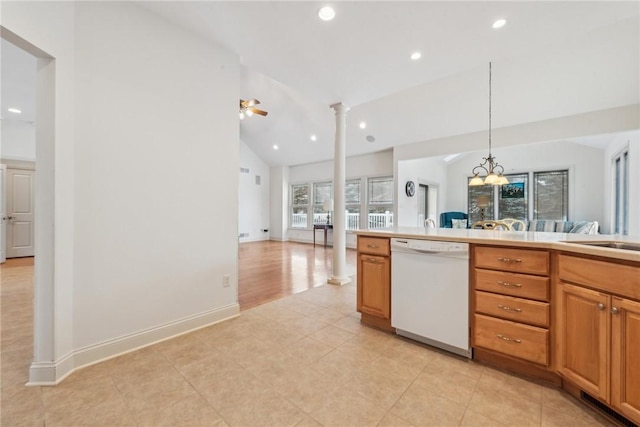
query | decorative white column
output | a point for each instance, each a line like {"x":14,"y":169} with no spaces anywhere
{"x":339,"y":276}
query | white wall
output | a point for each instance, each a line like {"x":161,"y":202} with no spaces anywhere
{"x":146,"y":152}
{"x":421,"y":171}
{"x":279,"y":177}
{"x":254,"y":209}
{"x":618,"y":143}
{"x":375,"y":164}
{"x":157,"y":155}
{"x":18,"y":140}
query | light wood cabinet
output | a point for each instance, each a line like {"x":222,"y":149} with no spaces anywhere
{"x":598,"y":330}
{"x":374,"y":281}
{"x":625,"y":357}
{"x":583,"y":336}
{"x":511,"y":310}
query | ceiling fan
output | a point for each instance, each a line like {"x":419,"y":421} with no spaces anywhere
{"x":247,"y":108}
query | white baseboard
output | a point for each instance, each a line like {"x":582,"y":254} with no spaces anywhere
{"x":51,"y":373}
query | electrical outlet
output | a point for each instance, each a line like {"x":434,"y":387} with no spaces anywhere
{"x":226,"y":280}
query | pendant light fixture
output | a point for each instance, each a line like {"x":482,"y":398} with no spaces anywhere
{"x":492,"y":170}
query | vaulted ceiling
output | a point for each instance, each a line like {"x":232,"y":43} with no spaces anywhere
{"x":551,"y":59}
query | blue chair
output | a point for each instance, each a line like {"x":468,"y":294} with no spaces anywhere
{"x":446,"y":217}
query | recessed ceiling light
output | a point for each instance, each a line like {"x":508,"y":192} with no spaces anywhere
{"x":314,"y":138}
{"x":499,"y":23}
{"x":326,"y":13}
{"x":416,"y":55}
{"x":275,"y":147}
{"x":14,"y":110}
{"x":363,"y":125}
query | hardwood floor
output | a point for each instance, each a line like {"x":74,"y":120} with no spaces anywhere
{"x":269,"y":270}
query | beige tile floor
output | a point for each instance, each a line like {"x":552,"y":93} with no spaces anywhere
{"x":304,"y":360}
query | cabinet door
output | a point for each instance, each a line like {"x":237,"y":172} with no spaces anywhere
{"x":625,"y":357}
{"x":583,"y":338}
{"x":374,"y":286}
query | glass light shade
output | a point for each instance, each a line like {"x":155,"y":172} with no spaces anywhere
{"x":249,"y":113}
{"x":492,"y":178}
{"x":502,"y":180}
{"x":241,"y":115}
{"x":476,"y":180}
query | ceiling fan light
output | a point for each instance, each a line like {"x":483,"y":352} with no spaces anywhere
{"x":241,"y":114}
{"x":249,"y":113}
{"x":475,"y":181}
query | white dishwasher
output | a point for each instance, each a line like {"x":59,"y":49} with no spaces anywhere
{"x":430,"y":293}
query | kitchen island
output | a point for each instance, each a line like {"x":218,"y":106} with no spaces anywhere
{"x":564,"y":308}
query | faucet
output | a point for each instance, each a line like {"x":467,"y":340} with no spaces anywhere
{"x":429,"y":223}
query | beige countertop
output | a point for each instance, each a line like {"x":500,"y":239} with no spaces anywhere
{"x":569,"y":242}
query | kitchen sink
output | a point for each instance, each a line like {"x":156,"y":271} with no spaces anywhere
{"x":628,"y":246}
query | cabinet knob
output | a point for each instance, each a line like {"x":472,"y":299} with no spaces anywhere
{"x":600,"y":306}
{"x":614,"y":310}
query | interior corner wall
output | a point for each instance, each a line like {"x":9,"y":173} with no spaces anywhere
{"x":156,"y":166}
{"x":279,"y":206}
{"x":254,"y":204}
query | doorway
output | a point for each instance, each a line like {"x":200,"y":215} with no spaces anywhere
{"x":427,"y":204}
{"x":42,"y":125}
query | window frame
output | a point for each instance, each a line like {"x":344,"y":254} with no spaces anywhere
{"x":293,"y":206}
{"x":369,"y":204}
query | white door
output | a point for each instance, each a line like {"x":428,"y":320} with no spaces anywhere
{"x":20,"y":200}
{"x":3,"y":213}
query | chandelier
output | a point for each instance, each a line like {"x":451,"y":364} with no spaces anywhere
{"x":493,"y":172}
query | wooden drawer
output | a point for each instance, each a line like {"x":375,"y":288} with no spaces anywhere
{"x":373,"y":245}
{"x":514,"y":284}
{"x":511,"y":259}
{"x":610,"y":277}
{"x":510,"y":308}
{"x":514,"y":339}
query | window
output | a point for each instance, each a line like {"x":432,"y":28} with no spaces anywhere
{"x":352,"y":204}
{"x":322,"y":192}
{"x":551,"y":195}
{"x":480,"y":202}
{"x":299,"y":205}
{"x":380,"y":208}
{"x":549,"y":199}
{"x":513,"y":198}
{"x":621,"y":193}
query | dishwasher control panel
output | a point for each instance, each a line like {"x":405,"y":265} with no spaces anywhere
{"x":428,"y":245}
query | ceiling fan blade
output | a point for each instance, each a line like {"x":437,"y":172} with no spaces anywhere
{"x":252,"y":102}
{"x":256,"y":111}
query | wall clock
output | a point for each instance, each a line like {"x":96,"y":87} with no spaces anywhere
{"x":410,"y":188}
